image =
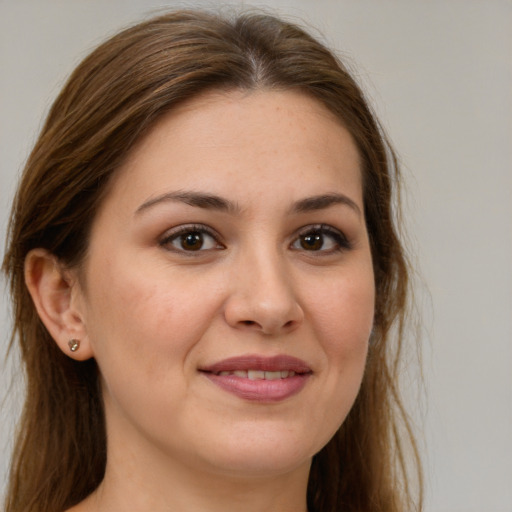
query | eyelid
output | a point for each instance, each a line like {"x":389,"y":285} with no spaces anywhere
{"x":337,"y":235}
{"x":173,"y":233}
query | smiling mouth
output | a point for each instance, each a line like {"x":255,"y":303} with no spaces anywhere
{"x":259,"y":374}
{"x":260,"y":379}
{"x":257,"y":363}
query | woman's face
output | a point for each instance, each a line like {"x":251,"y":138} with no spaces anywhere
{"x":229,"y":289}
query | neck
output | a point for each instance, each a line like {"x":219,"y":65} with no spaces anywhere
{"x":145,"y":480}
{"x":187,"y":491}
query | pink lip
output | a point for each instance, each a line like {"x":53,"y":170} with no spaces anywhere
{"x":259,"y":390}
{"x":255,"y":362}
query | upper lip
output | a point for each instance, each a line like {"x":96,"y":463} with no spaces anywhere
{"x":257,"y":362}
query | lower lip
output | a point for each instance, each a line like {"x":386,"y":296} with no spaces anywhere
{"x":260,"y":390}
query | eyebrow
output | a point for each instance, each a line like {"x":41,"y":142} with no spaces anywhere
{"x":323,"y":201}
{"x":197,"y":199}
{"x":214,"y":202}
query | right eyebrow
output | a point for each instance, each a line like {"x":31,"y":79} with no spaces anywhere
{"x":197,"y":199}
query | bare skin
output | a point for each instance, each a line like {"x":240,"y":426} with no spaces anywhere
{"x":235,"y":229}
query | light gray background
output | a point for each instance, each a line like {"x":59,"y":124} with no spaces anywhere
{"x":440,"y":76}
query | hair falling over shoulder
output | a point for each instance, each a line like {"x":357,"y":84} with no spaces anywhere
{"x":110,"y":101}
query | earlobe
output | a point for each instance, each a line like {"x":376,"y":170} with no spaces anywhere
{"x":54,"y":293}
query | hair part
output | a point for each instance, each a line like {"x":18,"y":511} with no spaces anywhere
{"x":112,"y":99}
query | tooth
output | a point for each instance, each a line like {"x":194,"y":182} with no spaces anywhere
{"x":240,"y":373}
{"x":255,"y":374}
{"x":272,"y":375}
{"x":291,"y":374}
{"x":284,"y":374}
{"x":223,"y":374}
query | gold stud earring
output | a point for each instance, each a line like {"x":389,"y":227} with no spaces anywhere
{"x":74,"y":345}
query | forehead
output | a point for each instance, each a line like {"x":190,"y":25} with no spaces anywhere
{"x":232,"y":137}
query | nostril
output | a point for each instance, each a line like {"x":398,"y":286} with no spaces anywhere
{"x":248,"y":322}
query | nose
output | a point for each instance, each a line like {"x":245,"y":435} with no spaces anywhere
{"x":263,"y":298}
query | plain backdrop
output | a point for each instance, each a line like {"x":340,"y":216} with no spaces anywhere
{"x":439,"y":74}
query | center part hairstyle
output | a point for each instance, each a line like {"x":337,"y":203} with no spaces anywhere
{"x":111,"y":100}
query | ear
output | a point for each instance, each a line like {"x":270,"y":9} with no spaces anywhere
{"x":59,"y":302}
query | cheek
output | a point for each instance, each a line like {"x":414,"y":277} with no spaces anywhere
{"x":343,"y":314}
{"x":342,"y":321}
{"x":341,"y":310}
{"x":144,"y":324}
{"x":147,"y":317}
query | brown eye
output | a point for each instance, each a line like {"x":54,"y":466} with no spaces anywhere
{"x":322,"y":239}
{"x":312,"y":241}
{"x":191,"y":241}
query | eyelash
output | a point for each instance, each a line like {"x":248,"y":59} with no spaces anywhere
{"x":320,"y":231}
{"x":341,"y":243}
{"x":190,"y":229}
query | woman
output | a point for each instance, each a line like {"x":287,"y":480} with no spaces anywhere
{"x":206,"y":279}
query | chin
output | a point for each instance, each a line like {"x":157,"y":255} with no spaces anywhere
{"x":262,"y":464}
{"x":263,"y":452}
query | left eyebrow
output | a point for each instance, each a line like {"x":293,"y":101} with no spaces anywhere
{"x":323,"y":201}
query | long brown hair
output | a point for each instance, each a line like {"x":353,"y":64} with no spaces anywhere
{"x":112,"y":99}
